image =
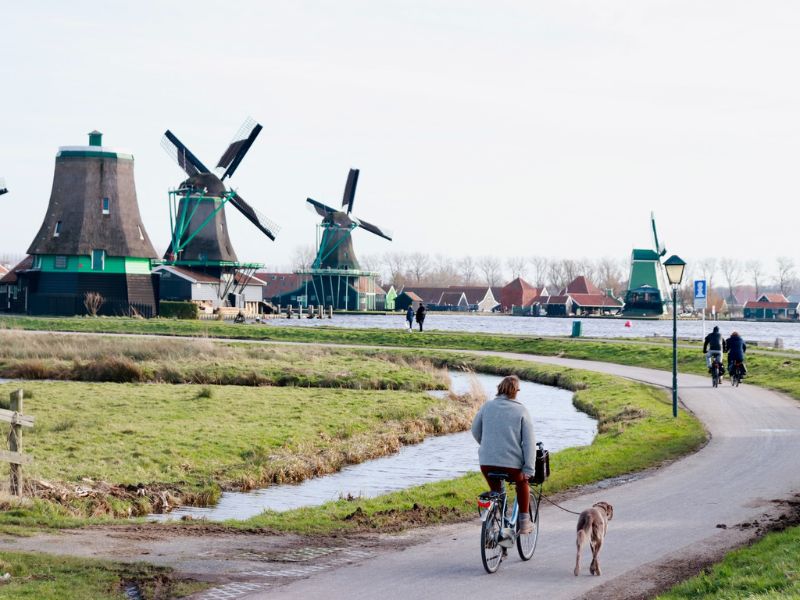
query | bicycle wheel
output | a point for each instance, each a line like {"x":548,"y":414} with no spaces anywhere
{"x":491,"y":551}
{"x":714,"y":378}
{"x":526,"y":544}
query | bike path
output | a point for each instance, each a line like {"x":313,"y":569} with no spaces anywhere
{"x":663,"y":523}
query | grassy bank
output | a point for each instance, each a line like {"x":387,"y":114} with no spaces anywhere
{"x":119,"y":449}
{"x":28,"y":355}
{"x":636,"y":431}
{"x":43,"y":577}
{"x":767,"y":570}
{"x":772,"y":371}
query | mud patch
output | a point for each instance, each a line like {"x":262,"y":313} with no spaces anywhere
{"x":394,"y":520}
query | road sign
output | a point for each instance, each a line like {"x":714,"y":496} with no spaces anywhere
{"x":700,"y":293}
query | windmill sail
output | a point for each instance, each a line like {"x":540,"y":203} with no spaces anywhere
{"x":3,"y":188}
{"x":659,"y":247}
{"x":322,"y":209}
{"x":350,"y":190}
{"x":266,"y":225}
{"x":182,"y":155}
{"x":237,"y":149}
{"x":375,"y":229}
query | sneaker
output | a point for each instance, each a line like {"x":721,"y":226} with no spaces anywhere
{"x":525,"y":524}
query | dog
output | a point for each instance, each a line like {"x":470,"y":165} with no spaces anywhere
{"x":592,"y":526}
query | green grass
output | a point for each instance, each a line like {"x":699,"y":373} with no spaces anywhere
{"x":29,"y":355}
{"x":636,"y":431}
{"x":767,"y":570}
{"x":43,"y":577}
{"x":767,"y":369}
{"x":175,"y":438}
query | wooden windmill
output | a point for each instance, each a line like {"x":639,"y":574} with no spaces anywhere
{"x":648,"y":292}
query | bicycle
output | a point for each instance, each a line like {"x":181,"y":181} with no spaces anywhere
{"x":717,"y":371}
{"x":737,"y":373}
{"x":499,"y":530}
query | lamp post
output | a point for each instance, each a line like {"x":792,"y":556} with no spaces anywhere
{"x":674,"y":267}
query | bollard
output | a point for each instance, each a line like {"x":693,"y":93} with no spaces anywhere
{"x":15,"y":444}
{"x":300,"y":312}
{"x":779,"y":343}
{"x":330,"y":311}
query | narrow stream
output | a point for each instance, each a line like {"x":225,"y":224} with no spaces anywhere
{"x":556,"y":421}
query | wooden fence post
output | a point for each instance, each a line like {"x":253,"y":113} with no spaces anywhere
{"x":15,"y":443}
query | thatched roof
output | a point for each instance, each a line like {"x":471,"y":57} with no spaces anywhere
{"x":80,"y":183}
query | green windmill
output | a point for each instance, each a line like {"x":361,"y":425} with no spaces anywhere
{"x":648,"y":292}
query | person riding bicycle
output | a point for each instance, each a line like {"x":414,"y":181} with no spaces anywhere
{"x":504,"y":430}
{"x":713,"y":347}
{"x":736,"y":349}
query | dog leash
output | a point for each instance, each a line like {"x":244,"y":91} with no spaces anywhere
{"x":559,"y":506}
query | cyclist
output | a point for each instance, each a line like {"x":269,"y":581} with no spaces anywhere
{"x":736,"y":349}
{"x":713,"y":346}
{"x":504,"y":430}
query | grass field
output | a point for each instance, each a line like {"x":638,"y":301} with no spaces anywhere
{"x":767,"y":570}
{"x":190,"y":441}
{"x":43,"y":577}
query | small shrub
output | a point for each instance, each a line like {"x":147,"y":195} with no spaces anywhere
{"x":93,"y":302}
{"x":118,"y":369}
{"x":206,"y":392}
{"x":178,"y":310}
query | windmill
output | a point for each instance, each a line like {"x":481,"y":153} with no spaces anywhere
{"x":200,"y":239}
{"x":3,"y":188}
{"x":648,"y":292}
{"x":336,"y":261}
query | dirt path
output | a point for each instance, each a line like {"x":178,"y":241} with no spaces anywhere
{"x":667,"y":524}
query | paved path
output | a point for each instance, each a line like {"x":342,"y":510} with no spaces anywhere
{"x":663,"y":523}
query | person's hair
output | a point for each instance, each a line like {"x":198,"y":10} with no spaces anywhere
{"x":734,"y":333}
{"x":508,"y":386}
{"x":716,"y":328}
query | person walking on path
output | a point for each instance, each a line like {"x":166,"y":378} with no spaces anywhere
{"x":421,"y":315}
{"x":410,"y":317}
{"x":504,"y":430}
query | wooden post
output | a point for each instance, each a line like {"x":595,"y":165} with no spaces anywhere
{"x":330,"y":311}
{"x":15,"y":443}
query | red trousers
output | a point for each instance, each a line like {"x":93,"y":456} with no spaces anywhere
{"x":519,"y":479}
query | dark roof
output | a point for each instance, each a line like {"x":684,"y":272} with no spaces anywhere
{"x":773,"y":298}
{"x":473,"y":293}
{"x":765,"y":305}
{"x":80,"y":184}
{"x":188,"y":274}
{"x":581,"y":285}
{"x":277,"y":284}
{"x":453,"y":298}
{"x":429,"y":295}
{"x":11,"y":277}
{"x":589,"y":300}
{"x":560,"y":299}
{"x":411,"y":295}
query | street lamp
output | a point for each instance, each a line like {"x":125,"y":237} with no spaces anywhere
{"x":674,"y":267}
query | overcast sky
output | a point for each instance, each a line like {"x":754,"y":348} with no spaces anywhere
{"x":511,"y":128}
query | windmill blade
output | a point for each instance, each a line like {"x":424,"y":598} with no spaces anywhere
{"x":660,"y":250}
{"x":182,"y":155}
{"x":3,"y":188}
{"x":235,"y":152}
{"x":350,"y":190}
{"x":266,"y":225}
{"x":322,"y":209}
{"x":384,"y":233}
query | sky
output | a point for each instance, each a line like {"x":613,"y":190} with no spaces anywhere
{"x":505,"y":128}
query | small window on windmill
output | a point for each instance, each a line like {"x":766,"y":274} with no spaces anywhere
{"x":60,"y":262}
{"x":57,"y":229}
{"x":98,"y":260}
{"x":106,"y":206}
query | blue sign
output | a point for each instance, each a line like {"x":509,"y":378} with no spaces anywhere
{"x":700,"y":288}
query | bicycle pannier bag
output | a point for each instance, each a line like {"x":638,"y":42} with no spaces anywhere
{"x":542,"y":466}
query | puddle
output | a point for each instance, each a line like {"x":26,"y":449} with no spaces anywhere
{"x":556,"y":421}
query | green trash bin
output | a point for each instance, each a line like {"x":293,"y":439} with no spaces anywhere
{"x":577,"y":328}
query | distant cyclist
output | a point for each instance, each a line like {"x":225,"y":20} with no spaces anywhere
{"x":713,"y":347}
{"x":736,"y":348}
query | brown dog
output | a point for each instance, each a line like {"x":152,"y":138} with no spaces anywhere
{"x":592,"y":526}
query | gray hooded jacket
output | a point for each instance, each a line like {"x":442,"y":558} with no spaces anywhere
{"x":504,"y":430}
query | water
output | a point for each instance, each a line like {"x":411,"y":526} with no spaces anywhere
{"x":556,"y":421}
{"x":762,"y":332}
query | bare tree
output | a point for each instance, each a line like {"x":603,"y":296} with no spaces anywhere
{"x":756,"y":271}
{"x":785,"y":275}
{"x":303,"y":257}
{"x":92,"y":302}
{"x":571,"y":269}
{"x":556,"y":276}
{"x":731,"y":270}
{"x":444,"y":271}
{"x":394,"y":263}
{"x":419,"y":263}
{"x":467,"y":268}
{"x":490,"y":267}
{"x":539,"y":269}
{"x":708,"y":268}
{"x":516,"y":264}
{"x":609,"y":274}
